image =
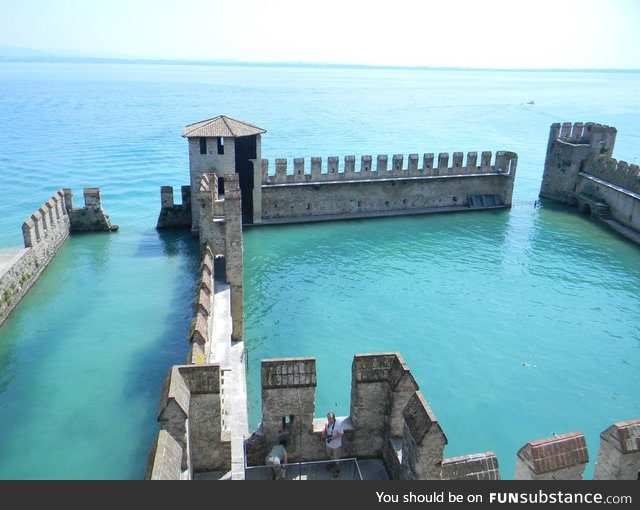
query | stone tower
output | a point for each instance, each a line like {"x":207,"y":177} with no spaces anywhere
{"x":223,"y":145}
{"x":568,"y":151}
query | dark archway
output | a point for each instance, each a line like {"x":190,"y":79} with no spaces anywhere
{"x":246,"y":150}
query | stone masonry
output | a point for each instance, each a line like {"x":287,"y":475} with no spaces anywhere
{"x":44,"y":233}
{"x":580,"y":172}
{"x":389,"y":419}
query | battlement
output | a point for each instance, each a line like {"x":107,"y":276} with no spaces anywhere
{"x":388,"y":186}
{"x":598,"y":136}
{"x":332,"y":189}
{"x":562,"y":457}
{"x":91,"y":217}
{"x":190,"y":416}
{"x":388,"y":168}
{"x":617,"y":173}
{"x":50,"y":220}
{"x":580,"y":171}
{"x":199,"y":333}
{"x":619,"y":455}
{"x":391,"y":419}
{"x":43,"y":233}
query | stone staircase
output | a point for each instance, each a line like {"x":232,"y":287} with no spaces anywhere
{"x":604,"y":211}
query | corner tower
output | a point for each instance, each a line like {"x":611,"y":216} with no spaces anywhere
{"x":568,"y":151}
{"x":223,"y":145}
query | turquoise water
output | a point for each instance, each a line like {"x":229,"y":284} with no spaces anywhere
{"x":513,"y":334}
{"x":516,"y":324}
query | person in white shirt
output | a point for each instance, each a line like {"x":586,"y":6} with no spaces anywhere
{"x":332,"y":435}
{"x":277,"y":458}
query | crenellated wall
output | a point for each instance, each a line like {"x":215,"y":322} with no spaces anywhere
{"x":479,"y":466}
{"x":617,"y":173}
{"x":580,"y":172}
{"x":174,"y":215}
{"x":200,"y":331}
{"x":385,"y":167}
{"x":386,"y":186}
{"x":389,"y":417}
{"x":619,"y":454}
{"x":221,"y":230}
{"x":599,"y":137}
{"x":91,"y":217}
{"x":190,"y":440}
{"x":44,"y":232}
{"x":209,"y":162}
{"x":562,"y":457}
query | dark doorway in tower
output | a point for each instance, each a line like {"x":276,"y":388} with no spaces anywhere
{"x":245,"y":151}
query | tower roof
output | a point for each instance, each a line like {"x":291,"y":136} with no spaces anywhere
{"x":221,"y":126}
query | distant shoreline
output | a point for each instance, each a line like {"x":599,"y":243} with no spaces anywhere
{"x":233,"y":63}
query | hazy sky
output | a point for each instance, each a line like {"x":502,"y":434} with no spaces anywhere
{"x":469,"y":33}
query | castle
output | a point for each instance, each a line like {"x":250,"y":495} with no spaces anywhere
{"x":389,"y":418}
{"x":203,"y":413}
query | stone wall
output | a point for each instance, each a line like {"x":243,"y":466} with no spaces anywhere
{"x":165,"y":458}
{"x":288,"y":406}
{"x":563,"y":163}
{"x":381,"y":386}
{"x":580,"y":172}
{"x":618,"y":173}
{"x":613,"y":184}
{"x":234,"y":249}
{"x":562,"y":457}
{"x":386,"y":168}
{"x":479,"y":466}
{"x":91,"y":217}
{"x":389,"y":417}
{"x":210,"y":162}
{"x":174,"y":215}
{"x":44,"y":232}
{"x":200,"y":331}
{"x":221,"y":232}
{"x":190,"y":413}
{"x":389,"y":420}
{"x":383,"y":191}
{"x":619,"y":454}
{"x":211,"y":230}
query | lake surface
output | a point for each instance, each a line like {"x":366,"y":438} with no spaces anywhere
{"x":517,"y":324}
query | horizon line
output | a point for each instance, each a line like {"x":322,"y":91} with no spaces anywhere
{"x":251,"y":63}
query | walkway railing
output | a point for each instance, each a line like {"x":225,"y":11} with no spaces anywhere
{"x":316,"y":470}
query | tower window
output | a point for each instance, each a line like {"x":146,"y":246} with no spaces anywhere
{"x":220,"y":145}
{"x":203,"y":145}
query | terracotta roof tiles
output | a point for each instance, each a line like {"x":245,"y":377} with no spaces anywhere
{"x":221,"y":126}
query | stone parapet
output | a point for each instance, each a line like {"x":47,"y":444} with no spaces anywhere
{"x":386,"y":168}
{"x":478,"y":466}
{"x":165,"y":458}
{"x":562,"y":457}
{"x":580,"y":172}
{"x":619,"y":454}
{"x":91,"y":217}
{"x":44,"y":232}
{"x":190,"y":412}
{"x":200,"y":331}
{"x":174,"y":215}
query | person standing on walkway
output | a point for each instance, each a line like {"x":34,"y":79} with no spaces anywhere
{"x":332,"y":435}
{"x":277,"y":458}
